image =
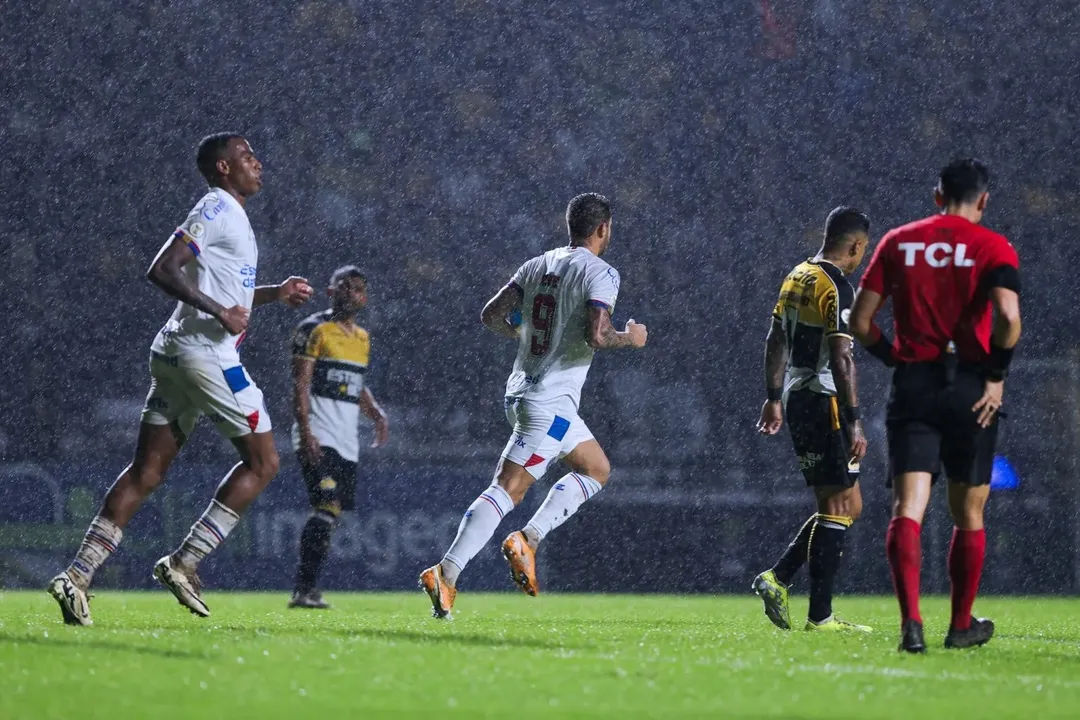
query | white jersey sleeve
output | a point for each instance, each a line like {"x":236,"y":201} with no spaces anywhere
{"x":204,"y":225}
{"x":602,"y":286}
{"x":224,"y":268}
{"x":528,"y":274}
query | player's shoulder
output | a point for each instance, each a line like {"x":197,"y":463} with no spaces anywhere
{"x":212,"y":206}
{"x":914,"y":228}
{"x":309,"y":324}
{"x":593,"y":264}
{"x":998,"y":249}
{"x":799,"y":271}
{"x":990,"y":236}
{"x":833,"y":273}
{"x":537,"y":262}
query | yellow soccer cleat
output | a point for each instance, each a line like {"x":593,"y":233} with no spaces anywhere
{"x":442,"y":594}
{"x":522,"y":561}
{"x":774,"y":595}
{"x":835,"y":624}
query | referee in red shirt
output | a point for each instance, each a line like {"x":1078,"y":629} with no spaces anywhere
{"x":955,"y":289}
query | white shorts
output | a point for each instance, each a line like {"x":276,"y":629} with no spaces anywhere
{"x":184,"y":387}
{"x":543,"y":431}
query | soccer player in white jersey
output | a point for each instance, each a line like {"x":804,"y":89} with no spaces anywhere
{"x":565,"y":298}
{"x":209,"y":266}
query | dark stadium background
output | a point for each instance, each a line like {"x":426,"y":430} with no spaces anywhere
{"x":436,"y":145}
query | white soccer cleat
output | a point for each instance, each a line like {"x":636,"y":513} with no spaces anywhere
{"x":73,"y":600}
{"x":186,"y":588}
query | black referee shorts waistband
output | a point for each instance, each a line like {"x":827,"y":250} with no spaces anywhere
{"x":942,"y":366}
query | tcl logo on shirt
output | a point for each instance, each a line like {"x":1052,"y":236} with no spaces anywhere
{"x":937,"y":254}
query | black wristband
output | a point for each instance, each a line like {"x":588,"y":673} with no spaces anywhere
{"x":774,"y":394}
{"x":851,"y":415}
{"x":1000,"y":359}
{"x":883,"y":351}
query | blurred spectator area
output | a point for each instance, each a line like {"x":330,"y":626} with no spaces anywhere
{"x":437,"y":146}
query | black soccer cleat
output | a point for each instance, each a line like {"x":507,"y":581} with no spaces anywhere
{"x":911,"y":638}
{"x":311,"y":600}
{"x":979,"y":633}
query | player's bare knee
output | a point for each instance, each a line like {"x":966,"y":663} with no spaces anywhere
{"x":270,"y":466}
{"x":967,"y":504}
{"x":594,"y":464}
{"x":516,"y":489}
{"x":144,"y":478}
{"x":515,"y":482}
{"x":264,"y":464}
{"x":968,"y":515}
{"x":906,"y":507}
{"x":600,"y":471}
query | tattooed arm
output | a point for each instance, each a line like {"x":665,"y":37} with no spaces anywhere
{"x":602,"y":335}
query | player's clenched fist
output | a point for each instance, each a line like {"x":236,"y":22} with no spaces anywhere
{"x":234,"y":319}
{"x":772,"y":418}
{"x":639,"y":334}
{"x":295,"y":291}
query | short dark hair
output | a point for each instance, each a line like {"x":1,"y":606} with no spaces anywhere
{"x":344,"y":273}
{"x":585,"y":213}
{"x":844,"y":221}
{"x":211,"y":149}
{"x":963,"y":180}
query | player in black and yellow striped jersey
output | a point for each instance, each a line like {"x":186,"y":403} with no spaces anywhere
{"x":330,"y":357}
{"x":810,"y":375}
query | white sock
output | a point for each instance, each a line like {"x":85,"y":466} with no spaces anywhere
{"x":207,"y":533}
{"x":476,"y":528}
{"x":99,"y":543}
{"x":563,"y":500}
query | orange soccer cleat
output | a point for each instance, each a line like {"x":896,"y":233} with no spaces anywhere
{"x":521,"y":558}
{"x":442,"y":594}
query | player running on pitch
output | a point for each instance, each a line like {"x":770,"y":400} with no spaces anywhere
{"x":809,"y":367}
{"x":955,"y":289}
{"x":566,"y":297}
{"x":209,"y":265}
{"x":330,"y":357}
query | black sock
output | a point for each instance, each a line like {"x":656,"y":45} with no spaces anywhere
{"x":826,"y":548}
{"x":795,"y":555}
{"x":314,"y":547}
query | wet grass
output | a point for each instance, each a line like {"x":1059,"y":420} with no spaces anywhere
{"x":380,"y":655}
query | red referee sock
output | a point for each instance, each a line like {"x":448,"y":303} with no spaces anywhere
{"x":966,"y":555}
{"x":903,"y":545}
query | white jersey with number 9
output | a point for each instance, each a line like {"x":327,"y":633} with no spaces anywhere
{"x":557,"y":289}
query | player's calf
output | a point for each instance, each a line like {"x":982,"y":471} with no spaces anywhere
{"x":563,"y":500}
{"x":100,"y":542}
{"x":838,"y":506}
{"x":177,"y":572}
{"x":314,"y":548}
{"x":477,"y":526}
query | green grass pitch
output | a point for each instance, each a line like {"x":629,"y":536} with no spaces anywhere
{"x":511,"y":656}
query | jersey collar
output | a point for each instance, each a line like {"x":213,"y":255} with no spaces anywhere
{"x":818,"y":261}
